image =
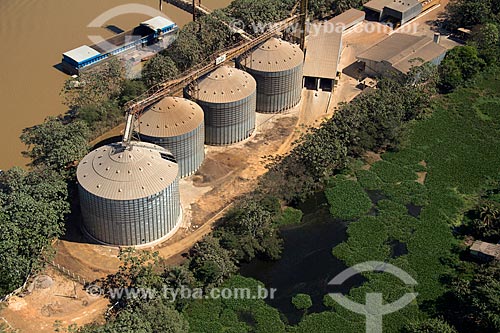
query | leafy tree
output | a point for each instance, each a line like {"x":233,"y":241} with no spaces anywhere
{"x":467,"y":13}
{"x":321,"y":8}
{"x":55,"y":144}
{"x":249,"y":230}
{"x":486,"y":39}
{"x":474,"y":303}
{"x":148,"y":317}
{"x":95,"y":86}
{"x":131,"y":89}
{"x":254,"y":14}
{"x":341,"y":6}
{"x":302,"y":301}
{"x":137,"y":270}
{"x":33,"y":209}
{"x":186,"y":50}
{"x":159,"y":69}
{"x":433,"y":325}
{"x":460,"y":64}
{"x":486,"y":224}
{"x":210,"y":262}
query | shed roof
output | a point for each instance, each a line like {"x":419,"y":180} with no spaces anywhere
{"x":81,"y":53}
{"x":158,"y":22}
{"x":400,"y":50}
{"x":489,"y":249}
{"x":225,"y":84}
{"x":323,"y":53}
{"x":126,"y":172}
{"x":274,"y":55}
{"x":172,"y":116}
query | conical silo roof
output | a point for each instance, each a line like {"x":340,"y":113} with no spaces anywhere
{"x":225,"y":85}
{"x":274,"y":55}
{"x":172,"y":116}
{"x":126,"y":172}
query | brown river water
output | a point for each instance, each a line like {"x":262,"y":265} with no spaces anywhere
{"x":33,"y":35}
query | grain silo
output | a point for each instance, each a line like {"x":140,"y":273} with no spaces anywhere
{"x":227,"y":97}
{"x":177,"y":125}
{"x":276,"y":65}
{"x":129,"y":193}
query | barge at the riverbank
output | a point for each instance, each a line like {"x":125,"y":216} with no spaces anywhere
{"x":149,"y":32}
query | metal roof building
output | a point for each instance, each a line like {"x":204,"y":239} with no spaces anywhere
{"x":322,"y":57}
{"x":348,"y":19}
{"x":400,"y":10}
{"x":400,"y":52}
{"x":129,"y":194}
{"x":228,"y":99}
{"x":277,"y":66}
{"x":485,"y":251}
{"x":159,"y":23}
{"x":177,"y":125}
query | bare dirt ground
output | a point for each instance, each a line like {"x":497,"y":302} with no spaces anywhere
{"x":63,"y":301}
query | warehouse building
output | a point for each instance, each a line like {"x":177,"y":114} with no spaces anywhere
{"x":323,"y":50}
{"x":348,"y":19}
{"x":398,"y":53}
{"x":395,"y":11}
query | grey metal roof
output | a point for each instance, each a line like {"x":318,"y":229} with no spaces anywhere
{"x":400,"y":49}
{"x":172,"y":116}
{"x":323,"y":53}
{"x":225,"y":84}
{"x":397,"y":5}
{"x":377,"y":5}
{"x":348,"y":18}
{"x":403,"y":5}
{"x":81,"y":53}
{"x":274,"y":55}
{"x":120,"y":172}
{"x":158,"y":22}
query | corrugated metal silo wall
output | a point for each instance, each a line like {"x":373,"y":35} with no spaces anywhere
{"x":227,"y":123}
{"x":131,"y":222}
{"x":277,"y":91}
{"x":188,"y":149}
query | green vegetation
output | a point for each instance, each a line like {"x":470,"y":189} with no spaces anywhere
{"x":302,"y":301}
{"x":290,"y":216}
{"x":159,"y":69}
{"x":347,"y":199}
{"x":460,"y":64}
{"x":234,"y":315}
{"x":433,"y":325}
{"x":32,"y":213}
{"x":56,"y":145}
